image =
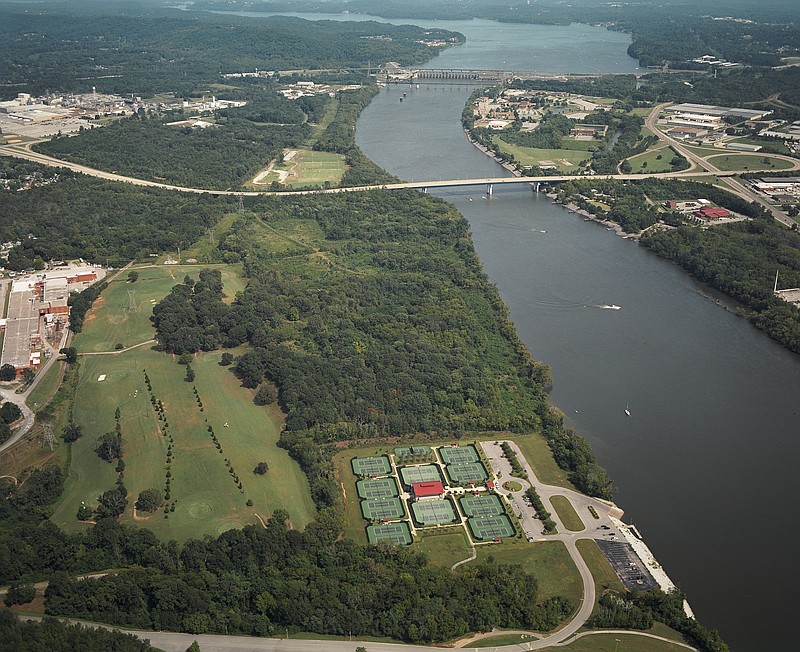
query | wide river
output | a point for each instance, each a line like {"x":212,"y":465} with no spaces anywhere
{"x":707,"y":463}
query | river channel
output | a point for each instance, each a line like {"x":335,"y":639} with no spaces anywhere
{"x":706,"y":465}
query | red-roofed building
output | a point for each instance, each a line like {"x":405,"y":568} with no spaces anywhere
{"x":490,"y":485}
{"x":710,"y":213}
{"x":422,"y":490}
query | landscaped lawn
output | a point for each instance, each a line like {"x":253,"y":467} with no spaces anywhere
{"x":444,"y":549}
{"x":748,"y":162}
{"x":566,"y":512}
{"x":566,"y":160}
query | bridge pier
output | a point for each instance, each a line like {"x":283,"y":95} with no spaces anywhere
{"x":489,"y":190}
{"x":535,"y":186}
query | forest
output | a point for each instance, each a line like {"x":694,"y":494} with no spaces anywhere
{"x":141,"y":49}
{"x":101,"y":221}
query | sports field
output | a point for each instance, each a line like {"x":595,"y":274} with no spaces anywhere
{"x":397,"y":533}
{"x":433,"y":512}
{"x":425,"y":473}
{"x":377,"y":488}
{"x":482,"y":505}
{"x":366,"y":466}
{"x":484,"y":528}
{"x":304,"y":167}
{"x":380,"y":508}
{"x":207,"y":501}
{"x":467,"y":472}
{"x":410,"y":452}
{"x":458,"y":454}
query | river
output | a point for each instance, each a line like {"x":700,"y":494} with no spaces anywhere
{"x":706,"y":463}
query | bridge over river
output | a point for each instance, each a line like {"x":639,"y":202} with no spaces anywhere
{"x":397,"y":75}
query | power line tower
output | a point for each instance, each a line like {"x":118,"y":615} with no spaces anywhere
{"x":241,"y":204}
{"x":132,"y":305}
{"x":47,"y":435}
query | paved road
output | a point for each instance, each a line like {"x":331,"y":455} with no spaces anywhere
{"x":738,"y":187}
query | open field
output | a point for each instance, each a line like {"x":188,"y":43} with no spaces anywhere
{"x":444,"y":548}
{"x":121,"y":315}
{"x":303,"y":167}
{"x":648,"y":161}
{"x":748,"y":161}
{"x":548,"y":561}
{"x":627,"y":643}
{"x":566,"y":160}
{"x":46,"y":388}
{"x":566,"y":512}
{"x":207,"y":499}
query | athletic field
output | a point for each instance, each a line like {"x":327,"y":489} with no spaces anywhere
{"x":482,"y":505}
{"x":397,"y":533}
{"x":380,"y":508}
{"x":426,"y":473}
{"x":484,"y":528}
{"x":458,"y":454}
{"x":366,"y":466}
{"x":466,"y":472}
{"x":378,"y":488}
{"x":433,"y":512}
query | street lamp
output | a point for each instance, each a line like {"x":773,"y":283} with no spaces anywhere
{"x":616,"y":645}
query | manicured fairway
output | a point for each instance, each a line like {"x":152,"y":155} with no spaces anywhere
{"x":483,"y":505}
{"x":397,"y":533}
{"x":366,"y":466}
{"x":458,"y":454}
{"x":490,"y":527}
{"x":433,"y":512}
{"x":426,"y":473}
{"x":378,"y":488}
{"x":207,"y":500}
{"x":380,"y":508}
{"x":466,"y":472}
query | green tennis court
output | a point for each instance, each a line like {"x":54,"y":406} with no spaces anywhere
{"x":363,"y":466}
{"x":458,"y":454}
{"x":380,"y":508}
{"x":398,"y":533}
{"x":412,"y":451}
{"x":483,"y":505}
{"x":378,"y":488}
{"x":466,"y":472}
{"x":426,"y":473}
{"x":433,"y":512}
{"x":490,"y":527}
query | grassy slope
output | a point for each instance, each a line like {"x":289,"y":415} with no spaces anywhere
{"x":208,"y":501}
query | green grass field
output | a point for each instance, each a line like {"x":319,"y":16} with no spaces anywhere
{"x":306,"y":168}
{"x":121,"y":315}
{"x":748,"y":162}
{"x":549,"y":561}
{"x":566,"y":160}
{"x":46,"y":387}
{"x":648,"y":161}
{"x":566,"y":512}
{"x":207,"y":499}
{"x":618,"y":642}
{"x":444,"y":548}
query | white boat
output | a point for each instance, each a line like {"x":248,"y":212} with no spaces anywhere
{"x":612,"y":306}
{"x":627,"y":410}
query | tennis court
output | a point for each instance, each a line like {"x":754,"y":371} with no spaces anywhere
{"x":380,"y":508}
{"x":433,"y":512}
{"x":426,"y":473}
{"x":398,"y":533}
{"x":484,"y":505}
{"x":378,"y":488}
{"x":364,"y":466}
{"x":458,"y":454}
{"x":490,"y":527}
{"x":466,"y":472}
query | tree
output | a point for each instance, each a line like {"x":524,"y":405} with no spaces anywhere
{"x":261,"y":468}
{"x":8,"y":372}
{"x":149,"y":500}
{"x":133,"y":276}
{"x":265,"y":394}
{"x":109,"y":446}
{"x":70,"y":354}
{"x":28,"y":375}
{"x":72,"y":432}
{"x":194,"y":647}
{"x":10,"y":412}
{"x":113,"y":502}
{"x":227,"y":359}
{"x":189,"y":378}
{"x":185,"y":358}
{"x":20,"y":594}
